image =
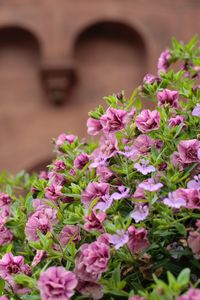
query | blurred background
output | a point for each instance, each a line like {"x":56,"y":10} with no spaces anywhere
{"x":59,"y":58}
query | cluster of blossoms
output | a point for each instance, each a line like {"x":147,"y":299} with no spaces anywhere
{"x":109,"y":217}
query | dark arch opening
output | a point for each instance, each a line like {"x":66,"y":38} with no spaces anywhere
{"x":110,"y":56}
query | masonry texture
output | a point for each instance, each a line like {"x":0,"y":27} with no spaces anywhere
{"x":59,"y":58}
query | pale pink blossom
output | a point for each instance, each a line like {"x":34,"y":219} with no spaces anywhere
{"x":138,"y":240}
{"x":175,"y":200}
{"x":119,"y":239}
{"x":93,"y":126}
{"x":94,"y":190}
{"x":140,"y":212}
{"x":69,"y":233}
{"x":195,"y":183}
{"x":143,"y":167}
{"x":150,"y":185}
{"x":194,"y":243}
{"x":192,"y":294}
{"x":188,"y":151}
{"x":57,"y":283}
{"x":196,"y":111}
{"x":62,"y":138}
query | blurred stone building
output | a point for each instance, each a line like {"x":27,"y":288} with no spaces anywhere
{"x":58,"y":58}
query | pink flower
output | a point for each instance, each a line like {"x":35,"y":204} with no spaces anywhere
{"x":164,"y":61}
{"x":69,"y":232}
{"x":194,"y":243}
{"x":140,"y":212}
{"x":119,"y":239}
{"x":11,"y":265}
{"x":53,"y":191}
{"x":150,"y":79}
{"x":195,"y":183}
{"x":94,"y":190}
{"x":175,"y":200}
{"x":92,"y":261}
{"x":108,"y":146}
{"x":55,"y":178}
{"x":148,"y":120}
{"x":188,"y":151}
{"x":176,"y":121}
{"x":62,"y":138}
{"x":57,"y":283}
{"x":59,"y":165}
{"x":4,"y":298}
{"x":40,"y":254}
{"x":39,"y":221}
{"x":191,"y":197}
{"x":91,"y":289}
{"x":143,"y":144}
{"x":43,"y":175}
{"x":138,"y":240}
{"x":196,"y":111}
{"x":176,"y":161}
{"x":94,"y":221}
{"x":5,"y":199}
{"x":150,"y":186}
{"x":105,"y":203}
{"x":6,"y":235}
{"x":143,"y":167}
{"x":122,"y":194}
{"x":81,"y":160}
{"x":114,"y":120}
{"x":192,"y":294}
{"x":136,"y":297}
{"x":94,"y":126}
{"x":139,"y":193}
{"x":168,"y":97}
{"x":104,"y":173}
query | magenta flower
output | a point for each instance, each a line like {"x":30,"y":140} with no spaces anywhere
{"x":168,"y":97}
{"x":11,"y":265}
{"x":108,"y":146}
{"x":143,"y":167}
{"x":4,"y":298}
{"x":81,"y":160}
{"x":62,"y":138}
{"x":150,"y":186}
{"x":148,"y":120}
{"x":94,"y":221}
{"x":192,"y":294}
{"x":164,"y":61}
{"x":138,"y":240}
{"x":196,"y":111}
{"x":6,"y":235}
{"x":139,"y":193}
{"x":194,"y":243}
{"x":176,"y":121}
{"x":104,"y":204}
{"x":5,"y":199}
{"x":140,"y":212}
{"x":119,"y":239}
{"x":57,"y":283}
{"x":94,"y":190}
{"x":175,"y":200}
{"x":104,"y":173}
{"x":40,"y":254}
{"x":94,"y":126}
{"x":195,"y":183}
{"x":150,"y":79}
{"x":39,"y":221}
{"x":90,"y":289}
{"x":191,"y":197}
{"x":122,"y":193}
{"x":43,"y":175}
{"x":59,"y":165}
{"x":188,"y":151}
{"x":143,"y":144}
{"x":114,"y":120}
{"x":53,"y":191}
{"x":176,"y":161}
{"x":92,"y":261}
{"x":55,"y":178}
{"x":136,"y":297}
{"x":69,"y":233}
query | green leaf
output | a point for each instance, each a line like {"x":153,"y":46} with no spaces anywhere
{"x":184,"y":277}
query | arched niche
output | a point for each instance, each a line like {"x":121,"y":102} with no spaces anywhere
{"x":20,"y":91}
{"x":111,"y":56}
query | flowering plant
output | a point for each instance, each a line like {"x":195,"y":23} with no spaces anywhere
{"x":116,"y":218}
